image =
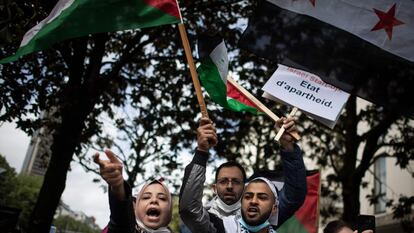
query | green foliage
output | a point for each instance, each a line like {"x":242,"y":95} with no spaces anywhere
{"x":19,"y":191}
{"x":403,"y":210}
{"x":137,"y":82}
{"x":176,"y":220}
{"x":7,"y":180}
{"x":66,"y":223}
{"x":370,"y":130}
{"x":12,"y":18}
{"x":25,"y":195}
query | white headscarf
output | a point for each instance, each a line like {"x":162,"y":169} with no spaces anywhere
{"x":273,"y":219}
{"x":141,"y":225}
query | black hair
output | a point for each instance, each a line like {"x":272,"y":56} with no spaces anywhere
{"x":231,"y":164}
{"x":335,"y":226}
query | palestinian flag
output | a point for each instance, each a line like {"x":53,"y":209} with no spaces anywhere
{"x":305,"y":219}
{"x":365,"y":48}
{"x":76,"y":18}
{"x":213,"y":72}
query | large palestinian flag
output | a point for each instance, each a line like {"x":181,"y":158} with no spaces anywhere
{"x":363,"y":47}
{"x":213,"y":72}
{"x":75,"y":18}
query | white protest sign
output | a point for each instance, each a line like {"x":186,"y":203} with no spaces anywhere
{"x":307,"y":92}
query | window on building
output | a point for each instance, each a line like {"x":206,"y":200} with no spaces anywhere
{"x":380,"y":185}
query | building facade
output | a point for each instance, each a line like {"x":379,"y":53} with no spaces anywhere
{"x":389,"y":182}
{"x":38,"y":154}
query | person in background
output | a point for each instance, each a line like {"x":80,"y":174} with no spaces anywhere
{"x":228,"y":188}
{"x":199,"y":219}
{"x":339,"y":226}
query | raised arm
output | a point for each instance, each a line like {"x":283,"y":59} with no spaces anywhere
{"x":293,"y":192}
{"x":111,"y":172}
{"x":122,"y":217}
{"x":192,"y":212}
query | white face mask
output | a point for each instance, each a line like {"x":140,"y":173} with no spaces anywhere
{"x":224,"y":207}
{"x":142,"y":227}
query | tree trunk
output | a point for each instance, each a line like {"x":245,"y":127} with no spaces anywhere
{"x":65,"y":140}
{"x":77,"y":102}
{"x":347,"y":176}
{"x":350,"y":196}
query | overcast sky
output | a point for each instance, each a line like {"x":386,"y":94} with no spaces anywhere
{"x":81,"y":194}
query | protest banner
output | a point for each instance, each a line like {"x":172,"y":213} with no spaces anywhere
{"x":307,"y":92}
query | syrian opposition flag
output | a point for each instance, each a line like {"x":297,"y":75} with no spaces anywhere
{"x":362,"y":47}
{"x":76,"y":18}
{"x":305,"y":219}
{"x":213,"y":72}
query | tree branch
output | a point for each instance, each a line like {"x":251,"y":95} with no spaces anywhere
{"x":130,"y":51}
{"x":96,"y":56}
{"x":382,"y":155}
{"x":371,"y":145}
{"x":86,"y":166}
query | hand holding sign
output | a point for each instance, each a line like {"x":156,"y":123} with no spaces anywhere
{"x":282,"y":130}
{"x":286,"y":141}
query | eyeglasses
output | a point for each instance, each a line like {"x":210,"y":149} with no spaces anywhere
{"x":227,"y":181}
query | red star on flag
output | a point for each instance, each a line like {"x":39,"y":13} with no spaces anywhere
{"x":313,"y":2}
{"x":387,"y":21}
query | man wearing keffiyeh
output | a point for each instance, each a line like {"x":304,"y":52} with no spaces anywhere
{"x":257,"y":215}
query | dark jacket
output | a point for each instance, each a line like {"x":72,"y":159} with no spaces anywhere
{"x":122,"y":219}
{"x":197,"y":218}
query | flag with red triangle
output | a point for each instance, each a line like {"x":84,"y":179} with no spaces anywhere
{"x":75,"y":18}
{"x":305,"y":219}
{"x":213,"y":72}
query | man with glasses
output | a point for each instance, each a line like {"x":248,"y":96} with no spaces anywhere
{"x":229,"y":183}
{"x":229,"y":179}
{"x":228,"y":187}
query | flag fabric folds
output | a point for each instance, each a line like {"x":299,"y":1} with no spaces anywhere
{"x":213,"y":72}
{"x":305,"y":219}
{"x":362,"y":47}
{"x":75,"y":18}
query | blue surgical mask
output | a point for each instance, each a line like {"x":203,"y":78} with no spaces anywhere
{"x":254,"y":228}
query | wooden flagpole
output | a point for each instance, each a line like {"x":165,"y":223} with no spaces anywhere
{"x":259,"y":104}
{"x":193,"y":70}
{"x":282,"y":130}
